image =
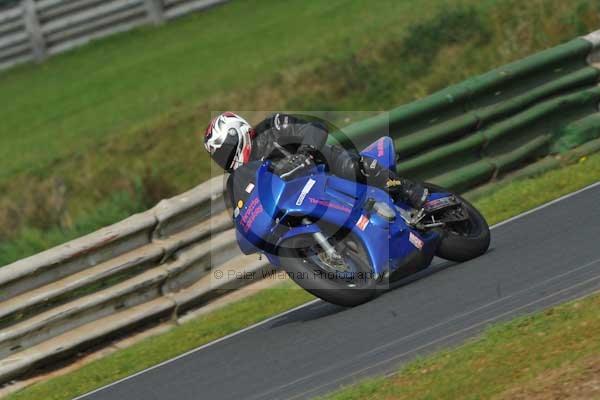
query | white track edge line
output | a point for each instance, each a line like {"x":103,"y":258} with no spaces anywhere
{"x":200,"y":348}
{"x":566,"y":196}
{"x":256,"y":325}
{"x":494,"y":319}
{"x":398,"y":340}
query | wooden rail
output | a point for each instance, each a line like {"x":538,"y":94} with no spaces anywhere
{"x":33,"y":30}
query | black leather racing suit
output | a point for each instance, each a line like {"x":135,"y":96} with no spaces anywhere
{"x":309,"y":137}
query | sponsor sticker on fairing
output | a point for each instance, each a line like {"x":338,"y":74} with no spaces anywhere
{"x":433,"y":205}
{"x":362,"y":223}
{"x":252,"y":212}
{"x":309,"y":185}
{"x":414,"y":239}
{"x":380,"y":151}
{"x":250,"y":187}
{"x":330,"y":204}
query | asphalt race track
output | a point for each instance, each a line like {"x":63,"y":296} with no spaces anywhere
{"x":539,"y":259}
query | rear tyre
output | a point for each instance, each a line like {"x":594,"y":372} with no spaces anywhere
{"x":464,"y":240}
{"x":346,"y":285}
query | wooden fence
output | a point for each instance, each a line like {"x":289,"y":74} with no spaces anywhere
{"x":32,"y":30}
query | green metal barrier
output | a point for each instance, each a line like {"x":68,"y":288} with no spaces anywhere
{"x":486,"y":126}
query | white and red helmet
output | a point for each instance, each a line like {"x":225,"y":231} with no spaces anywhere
{"x":228,"y":139}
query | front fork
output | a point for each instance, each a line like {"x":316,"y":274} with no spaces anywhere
{"x":322,"y":241}
{"x":325,"y":245}
{"x":330,"y":251}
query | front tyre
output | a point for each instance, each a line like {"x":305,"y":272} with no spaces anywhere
{"x":346,"y":281}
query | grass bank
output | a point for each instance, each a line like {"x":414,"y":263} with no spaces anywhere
{"x":513,"y":197}
{"x":76,"y":130}
{"x":508,"y":200}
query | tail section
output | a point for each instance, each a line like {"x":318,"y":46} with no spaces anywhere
{"x":382,"y":150}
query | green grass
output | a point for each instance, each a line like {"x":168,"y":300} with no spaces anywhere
{"x":32,"y":240}
{"x":522,"y":356}
{"x":103,"y":126}
{"x":514,"y":197}
{"x":137,"y":78}
{"x":508,"y":200}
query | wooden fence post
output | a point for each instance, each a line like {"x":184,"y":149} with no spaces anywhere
{"x":32,"y":26}
{"x":155,"y":11}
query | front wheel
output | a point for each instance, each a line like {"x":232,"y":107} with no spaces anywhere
{"x":463,"y":240}
{"x":346,"y":280}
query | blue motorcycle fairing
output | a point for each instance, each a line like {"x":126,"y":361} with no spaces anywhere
{"x":382,"y":150}
{"x":261,"y":223}
{"x":245,"y":245}
{"x":273,"y":200}
{"x":386,"y":243}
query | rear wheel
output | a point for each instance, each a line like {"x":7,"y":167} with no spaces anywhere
{"x":466,"y":239}
{"x":345,"y":279}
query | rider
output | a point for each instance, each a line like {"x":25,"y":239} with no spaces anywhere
{"x":238,"y":148}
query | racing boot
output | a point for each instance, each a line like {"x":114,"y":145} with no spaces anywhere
{"x":408,"y":191}
{"x":398,"y":188}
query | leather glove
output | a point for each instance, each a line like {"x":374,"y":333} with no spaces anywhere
{"x":292,"y":166}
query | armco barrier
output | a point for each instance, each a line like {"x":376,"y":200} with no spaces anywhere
{"x":161,"y":257}
{"x":35,"y":29}
{"x":478,"y":129}
{"x":155,"y":265}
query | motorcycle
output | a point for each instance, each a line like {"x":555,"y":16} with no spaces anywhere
{"x":343,"y":241}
